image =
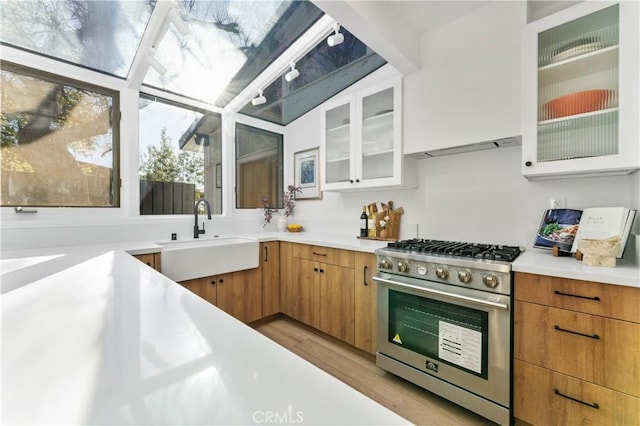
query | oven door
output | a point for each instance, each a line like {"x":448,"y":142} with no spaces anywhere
{"x":456,"y":334}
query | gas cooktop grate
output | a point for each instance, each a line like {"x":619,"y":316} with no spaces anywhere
{"x":458,"y":249}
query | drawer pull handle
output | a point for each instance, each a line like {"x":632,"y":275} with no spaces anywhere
{"x":365,"y":272}
{"x":596,"y":298}
{"x":319,"y":254}
{"x":593,"y":405}
{"x":591,"y":336}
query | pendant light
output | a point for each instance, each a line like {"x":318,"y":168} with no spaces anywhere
{"x":259,"y":99}
{"x":177,"y":21}
{"x":154,"y":63}
{"x":293,"y":74}
{"x":337,"y":37}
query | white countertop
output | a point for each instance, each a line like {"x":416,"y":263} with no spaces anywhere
{"x":20,"y":267}
{"x":542,"y":262}
{"x":109,"y":340}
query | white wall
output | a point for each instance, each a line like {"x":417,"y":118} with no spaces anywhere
{"x":479,"y":196}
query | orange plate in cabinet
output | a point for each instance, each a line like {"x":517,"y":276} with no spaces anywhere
{"x":579,"y":103}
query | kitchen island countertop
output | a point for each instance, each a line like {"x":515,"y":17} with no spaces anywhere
{"x":109,"y":340}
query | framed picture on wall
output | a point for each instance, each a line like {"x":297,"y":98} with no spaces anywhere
{"x":306,"y":166}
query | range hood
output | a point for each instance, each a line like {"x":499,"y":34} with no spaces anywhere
{"x":480,"y":146}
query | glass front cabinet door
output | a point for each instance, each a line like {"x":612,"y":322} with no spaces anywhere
{"x":361,"y":139}
{"x":581,"y":91}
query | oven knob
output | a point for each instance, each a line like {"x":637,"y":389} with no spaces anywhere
{"x":421,"y":270}
{"x":403,"y":267}
{"x":465,"y":276}
{"x":385,"y":264}
{"x":442,"y":272}
{"x":490,"y":280}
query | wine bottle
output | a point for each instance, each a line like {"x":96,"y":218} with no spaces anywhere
{"x":364,"y":222}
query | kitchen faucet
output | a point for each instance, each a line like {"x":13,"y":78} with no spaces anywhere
{"x":196,"y":230}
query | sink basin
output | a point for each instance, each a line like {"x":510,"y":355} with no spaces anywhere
{"x":196,"y":258}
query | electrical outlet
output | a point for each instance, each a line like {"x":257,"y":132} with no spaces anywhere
{"x":555,"y":203}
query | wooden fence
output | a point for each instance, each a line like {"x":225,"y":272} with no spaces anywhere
{"x":166,"y":197}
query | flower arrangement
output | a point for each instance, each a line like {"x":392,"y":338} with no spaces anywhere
{"x":288,"y":199}
{"x":269,"y":210}
{"x":288,"y":202}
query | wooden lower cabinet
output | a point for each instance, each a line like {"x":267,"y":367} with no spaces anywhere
{"x":151,"y":259}
{"x":237,"y":293}
{"x":289,"y":302}
{"x":204,"y":287}
{"x":546,"y":397}
{"x":326,"y":297}
{"x":365,"y":302}
{"x":577,"y":352}
{"x":318,"y":288}
{"x":600,"y":350}
{"x":270,"y":265}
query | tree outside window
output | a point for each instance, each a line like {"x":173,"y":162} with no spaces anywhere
{"x":179,"y":148}
{"x":59,"y":141}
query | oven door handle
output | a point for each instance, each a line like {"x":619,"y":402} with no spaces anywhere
{"x":445,"y":294}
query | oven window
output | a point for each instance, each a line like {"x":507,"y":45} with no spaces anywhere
{"x":453,"y":334}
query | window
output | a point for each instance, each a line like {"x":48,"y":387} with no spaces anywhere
{"x":258,"y":167}
{"x":59,"y":141}
{"x":180,"y":157}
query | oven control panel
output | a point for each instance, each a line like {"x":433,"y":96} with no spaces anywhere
{"x":477,"y":278}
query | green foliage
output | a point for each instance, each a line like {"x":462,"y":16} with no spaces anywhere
{"x":162,"y":164}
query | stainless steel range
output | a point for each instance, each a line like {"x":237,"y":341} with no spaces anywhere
{"x":444,"y":320}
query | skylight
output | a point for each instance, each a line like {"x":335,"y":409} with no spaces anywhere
{"x":229,"y":44}
{"x":224,"y":36}
{"x":101,"y":35}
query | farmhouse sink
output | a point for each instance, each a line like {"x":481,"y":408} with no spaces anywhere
{"x":195,"y":258}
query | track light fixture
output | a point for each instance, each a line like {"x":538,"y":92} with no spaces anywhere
{"x":259,"y":99}
{"x":177,"y":22}
{"x":293,"y":74}
{"x":154,"y":63}
{"x":337,"y":37}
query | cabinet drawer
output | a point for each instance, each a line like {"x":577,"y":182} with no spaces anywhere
{"x":614,"y":301}
{"x":543,"y":397}
{"x":326,"y":255}
{"x":593,"y":348}
{"x":151,"y":259}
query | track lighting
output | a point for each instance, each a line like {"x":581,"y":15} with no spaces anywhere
{"x":259,"y":99}
{"x":293,"y":74}
{"x":177,"y":21}
{"x":155,"y":64}
{"x":336,"y":38}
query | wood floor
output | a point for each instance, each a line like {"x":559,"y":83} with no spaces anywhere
{"x":358,"y":370}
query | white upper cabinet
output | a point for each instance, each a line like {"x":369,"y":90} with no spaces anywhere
{"x":468,"y":88}
{"x":581,"y":92}
{"x":361,"y":146}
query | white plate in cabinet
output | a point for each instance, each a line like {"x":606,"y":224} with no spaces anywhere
{"x":593,"y":46}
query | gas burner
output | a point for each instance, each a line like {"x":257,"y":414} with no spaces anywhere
{"x":458,"y":249}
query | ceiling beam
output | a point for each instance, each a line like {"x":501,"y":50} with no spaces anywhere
{"x":373,"y":23}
